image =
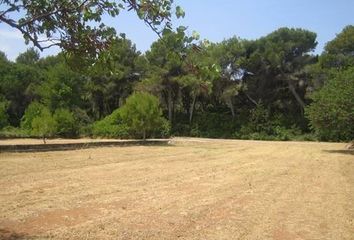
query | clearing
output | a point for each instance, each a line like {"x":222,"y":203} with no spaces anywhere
{"x":193,"y":189}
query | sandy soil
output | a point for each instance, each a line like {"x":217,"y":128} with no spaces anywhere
{"x":195,"y":189}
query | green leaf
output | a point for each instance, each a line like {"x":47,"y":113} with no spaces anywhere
{"x":180,"y":12}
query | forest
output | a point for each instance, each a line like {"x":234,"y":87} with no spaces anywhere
{"x":271,"y":88}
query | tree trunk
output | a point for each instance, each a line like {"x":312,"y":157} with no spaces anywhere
{"x":231,"y":106}
{"x":191,"y":109}
{"x":251,"y":99}
{"x":297,"y":96}
{"x":170,"y":105}
{"x":44,"y":141}
{"x":144,"y":134}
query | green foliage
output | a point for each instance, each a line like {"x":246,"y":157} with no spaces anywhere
{"x":331,"y":114}
{"x":33,"y":111}
{"x":339,"y":52}
{"x":110,"y":81}
{"x":66,"y":123}
{"x":262,"y":125}
{"x":343,"y":43}
{"x":30,"y":57}
{"x":61,"y":88}
{"x":12,"y":132}
{"x":80,"y":22}
{"x":4,"y":118}
{"x":111,"y":126}
{"x":143,"y":115}
{"x":17,"y":85}
{"x":44,"y":125}
{"x":249,"y":89}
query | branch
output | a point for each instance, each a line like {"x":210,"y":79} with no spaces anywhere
{"x":52,"y":13}
{"x":14,"y":25}
{"x":11,"y":9}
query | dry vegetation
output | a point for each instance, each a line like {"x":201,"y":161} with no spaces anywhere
{"x":194,"y":189}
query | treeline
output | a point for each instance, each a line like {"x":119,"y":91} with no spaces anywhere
{"x":270,"y":88}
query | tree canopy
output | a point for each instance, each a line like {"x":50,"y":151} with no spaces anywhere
{"x":236,"y":88}
{"x":76,"y":25}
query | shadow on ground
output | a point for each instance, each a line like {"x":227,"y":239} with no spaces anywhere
{"x":79,"y":146}
{"x":350,"y":152}
{"x":9,"y":235}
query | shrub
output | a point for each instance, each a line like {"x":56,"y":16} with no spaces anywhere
{"x":3,"y":114}
{"x":12,"y":132}
{"x":143,"y":115}
{"x":111,"y":126}
{"x":331,"y":114}
{"x":44,"y":125}
{"x":66,"y":124}
{"x":33,"y":110}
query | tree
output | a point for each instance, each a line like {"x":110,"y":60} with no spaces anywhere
{"x":279,"y":76}
{"x":331,"y":114}
{"x":196,"y":80}
{"x":33,"y":110}
{"x":142,"y":114}
{"x":17,"y":84}
{"x":30,"y":57}
{"x":166,"y":59}
{"x":44,"y":125}
{"x":110,"y":80}
{"x":3,"y":114}
{"x":339,"y":53}
{"x":66,"y":124}
{"x":228,"y":56}
{"x":70,"y":24}
{"x":61,"y":88}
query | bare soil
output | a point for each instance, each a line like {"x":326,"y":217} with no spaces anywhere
{"x":193,"y":189}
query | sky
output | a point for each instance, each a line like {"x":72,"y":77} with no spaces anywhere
{"x":217,"y":20}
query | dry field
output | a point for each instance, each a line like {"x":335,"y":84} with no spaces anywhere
{"x":193,"y":189}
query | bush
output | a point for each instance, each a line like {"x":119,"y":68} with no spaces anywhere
{"x":210,"y":125}
{"x":66,"y":124}
{"x":3,"y":114}
{"x":264,"y":126}
{"x":44,"y":125}
{"x":12,"y":132}
{"x":111,"y":126}
{"x":33,"y":110}
{"x":331,"y":114}
{"x":142,"y":114}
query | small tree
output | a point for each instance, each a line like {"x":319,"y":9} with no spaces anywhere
{"x":44,"y":125}
{"x":142,"y":114}
{"x":66,"y":124}
{"x":33,"y":110}
{"x":331,"y":114}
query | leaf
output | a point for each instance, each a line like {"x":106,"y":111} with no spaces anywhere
{"x":180,"y":12}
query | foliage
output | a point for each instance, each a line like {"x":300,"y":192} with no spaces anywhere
{"x":332,"y":112}
{"x":111,"y":126}
{"x":30,"y":57}
{"x":61,"y":88}
{"x":66,"y":123}
{"x":4,"y":121}
{"x":76,"y":25}
{"x":143,"y":115}
{"x":12,"y":132}
{"x":34,"y":110}
{"x":44,"y":125}
{"x":237,"y":88}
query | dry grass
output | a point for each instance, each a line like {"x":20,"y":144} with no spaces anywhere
{"x":195,"y":189}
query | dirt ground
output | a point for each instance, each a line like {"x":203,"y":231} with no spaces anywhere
{"x":33,"y":141}
{"x":193,"y":189}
